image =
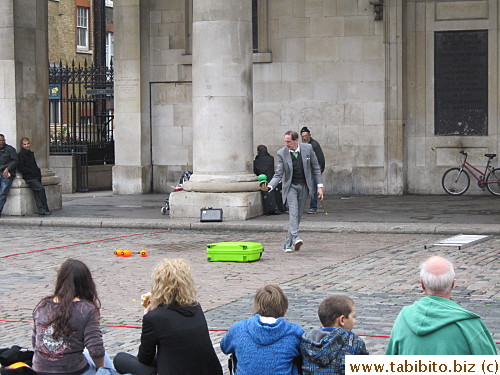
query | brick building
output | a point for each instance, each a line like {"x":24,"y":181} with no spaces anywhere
{"x":72,"y":34}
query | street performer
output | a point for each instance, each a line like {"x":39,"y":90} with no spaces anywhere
{"x":299,"y":170}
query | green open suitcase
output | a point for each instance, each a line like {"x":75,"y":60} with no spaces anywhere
{"x":234,"y":251}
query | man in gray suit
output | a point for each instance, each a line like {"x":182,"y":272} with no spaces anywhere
{"x":299,"y":170}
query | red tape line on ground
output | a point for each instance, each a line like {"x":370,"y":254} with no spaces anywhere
{"x":210,"y":329}
{"x":83,"y":243}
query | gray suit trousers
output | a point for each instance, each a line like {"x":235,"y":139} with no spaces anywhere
{"x":296,"y":199}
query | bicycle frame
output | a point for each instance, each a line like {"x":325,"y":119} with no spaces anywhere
{"x":469,"y":167}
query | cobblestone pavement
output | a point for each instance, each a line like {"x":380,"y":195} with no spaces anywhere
{"x":379,"y":271}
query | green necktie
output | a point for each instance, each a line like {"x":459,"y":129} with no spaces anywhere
{"x":295,"y":154}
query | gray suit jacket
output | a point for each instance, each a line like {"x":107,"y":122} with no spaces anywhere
{"x":284,"y":169}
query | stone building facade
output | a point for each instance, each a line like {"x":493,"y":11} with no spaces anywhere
{"x":361,"y":74}
{"x":326,"y":64}
{"x":364,"y":87}
{"x":458,"y":39}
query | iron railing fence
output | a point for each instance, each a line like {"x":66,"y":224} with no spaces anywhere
{"x":81,"y":110}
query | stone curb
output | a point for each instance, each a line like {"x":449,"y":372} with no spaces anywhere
{"x":246,"y":226}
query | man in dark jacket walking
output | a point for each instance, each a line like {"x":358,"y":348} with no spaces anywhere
{"x":33,"y":176}
{"x":306,"y":138}
{"x":8,"y":163}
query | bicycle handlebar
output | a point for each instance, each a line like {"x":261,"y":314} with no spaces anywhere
{"x":463,"y":152}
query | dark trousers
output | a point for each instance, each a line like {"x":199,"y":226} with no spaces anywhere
{"x":128,"y":364}
{"x":40,"y":197}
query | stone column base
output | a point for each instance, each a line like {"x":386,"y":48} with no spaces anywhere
{"x":131,"y":179}
{"x":235,"y":206}
{"x":21,"y":201}
{"x":65,"y":167}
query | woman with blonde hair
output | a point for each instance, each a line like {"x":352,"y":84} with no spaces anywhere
{"x":174,"y":339}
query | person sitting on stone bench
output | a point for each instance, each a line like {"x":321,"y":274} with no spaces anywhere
{"x":32,"y":175}
{"x":8,"y":163}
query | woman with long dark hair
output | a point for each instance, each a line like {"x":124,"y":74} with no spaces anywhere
{"x":67,"y":322}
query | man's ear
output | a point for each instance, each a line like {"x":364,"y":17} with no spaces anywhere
{"x":422,"y":284}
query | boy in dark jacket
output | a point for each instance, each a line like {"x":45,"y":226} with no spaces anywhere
{"x":323,"y":350}
{"x":32,"y":175}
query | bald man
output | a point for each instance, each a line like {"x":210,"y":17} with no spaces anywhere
{"x":437,"y":325}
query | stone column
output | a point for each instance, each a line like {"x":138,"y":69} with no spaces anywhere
{"x":394,"y":92}
{"x":222,"y":113}
{"x":132,"y":170}
{"x":24,"y":100}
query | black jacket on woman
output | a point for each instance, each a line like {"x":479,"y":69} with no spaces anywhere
{"x":27,"y":165}
{"x":181,"y":335}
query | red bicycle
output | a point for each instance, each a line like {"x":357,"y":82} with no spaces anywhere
{"x":456,"y":181}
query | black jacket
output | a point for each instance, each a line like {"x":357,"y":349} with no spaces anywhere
{"x":181,"y":335}
{"x":264,"y":164}
{"x":8,"y":159}
{"x":27,"y":165}
{"x":319,"y":153}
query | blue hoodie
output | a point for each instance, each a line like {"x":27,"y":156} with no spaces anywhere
{"x":436,"y":325}
{"x":262,"y":348}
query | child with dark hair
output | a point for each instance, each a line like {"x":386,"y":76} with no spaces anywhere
{"x":266,"y":343}
{"x":323,"y":350}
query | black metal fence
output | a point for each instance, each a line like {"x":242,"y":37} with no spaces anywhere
{"x":81,"y":111}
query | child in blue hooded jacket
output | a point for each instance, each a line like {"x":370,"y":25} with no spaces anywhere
{"x":265,"y":344}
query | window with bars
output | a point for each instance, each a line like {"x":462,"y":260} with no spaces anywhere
{"x":82,"y":28}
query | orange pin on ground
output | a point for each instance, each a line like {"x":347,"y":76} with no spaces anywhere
{"x":123,"y":253}
{"x":126,"y":253}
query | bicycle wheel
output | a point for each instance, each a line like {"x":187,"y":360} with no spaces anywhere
{"x":493,"y":181}
{"x":455,"y":181}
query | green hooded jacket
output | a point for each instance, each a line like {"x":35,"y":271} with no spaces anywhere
{"x":436,"y":325}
